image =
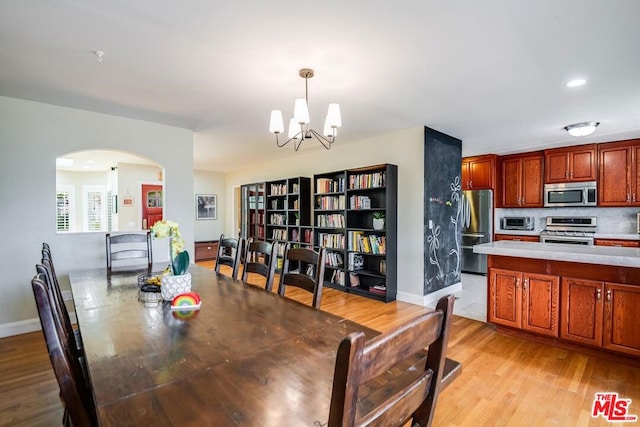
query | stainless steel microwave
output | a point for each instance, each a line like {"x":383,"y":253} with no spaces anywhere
{"x":517,"y":223}
{"x":571,"y":194}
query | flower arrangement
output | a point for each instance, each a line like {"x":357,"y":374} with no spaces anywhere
{"x":179,"y":257}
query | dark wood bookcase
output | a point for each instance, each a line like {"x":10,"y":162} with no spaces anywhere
{"x":360,"y":259}
{"x":288,"y":213}
{"x":253,"y":211}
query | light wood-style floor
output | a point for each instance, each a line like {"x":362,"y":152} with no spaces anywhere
{"x":506,"y":381}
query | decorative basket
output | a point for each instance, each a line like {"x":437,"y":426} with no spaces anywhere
{"x":175,"y":285}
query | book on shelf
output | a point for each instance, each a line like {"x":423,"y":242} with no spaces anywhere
{"x":337,"y":277}
{"x":329,"y":185}
{"x":354,"y":279}
{"x":356,"y":261}
{"x":367,"y":180}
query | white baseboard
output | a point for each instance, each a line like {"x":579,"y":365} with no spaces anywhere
{"x":67,"y":295}
{"x":431,"y":298}
{"x":19,"y":327}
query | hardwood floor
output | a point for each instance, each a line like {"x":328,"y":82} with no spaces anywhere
{"x":506,"y":380}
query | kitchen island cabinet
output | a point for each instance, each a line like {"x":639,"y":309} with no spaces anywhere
{"x":598,"y":292}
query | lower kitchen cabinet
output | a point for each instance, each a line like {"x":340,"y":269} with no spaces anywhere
{"x":621,"y":318}
{"x":601,"y":314}
{"x":524,"y":300}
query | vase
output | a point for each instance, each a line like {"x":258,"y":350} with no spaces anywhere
{"x":378,"y":223}
{"x":173,"y":286}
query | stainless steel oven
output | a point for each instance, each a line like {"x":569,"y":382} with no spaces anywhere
{"x":570,"y":230}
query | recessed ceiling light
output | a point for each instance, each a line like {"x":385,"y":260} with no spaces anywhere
{"x":576,"y":82}
{"x":581,"y":129}
{"x":63,"y":162}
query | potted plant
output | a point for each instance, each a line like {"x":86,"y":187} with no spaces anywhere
{"x":378,"y":220}
{"x":176,"y":280}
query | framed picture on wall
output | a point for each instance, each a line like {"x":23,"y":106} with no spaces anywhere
{"x":206,"y":206}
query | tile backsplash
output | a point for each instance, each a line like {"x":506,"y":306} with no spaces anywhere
{"x":610,"y":220}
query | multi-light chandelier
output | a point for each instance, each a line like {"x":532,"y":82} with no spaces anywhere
{"x":299,"y":128}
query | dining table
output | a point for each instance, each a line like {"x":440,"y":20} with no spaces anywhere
{"x":246,"y":357}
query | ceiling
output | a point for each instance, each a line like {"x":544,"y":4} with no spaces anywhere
{"x":491,"y":73}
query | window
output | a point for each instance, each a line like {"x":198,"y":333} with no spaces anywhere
{"x":65,"y":204}
{"x":95,"y":208}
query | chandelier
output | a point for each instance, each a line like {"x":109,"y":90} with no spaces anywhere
{"x":299,"y":128}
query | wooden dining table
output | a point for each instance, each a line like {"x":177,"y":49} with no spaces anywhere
{"x":246,"y":357}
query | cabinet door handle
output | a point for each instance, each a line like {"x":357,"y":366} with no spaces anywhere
{"x":471,"y":184}
{"x":628,"y":197}
{"x":608,"y":295}
{"x":526,"y":284}
{"x":566,"y":174}
{"x":208,"y":248}
{"x":598,"y":294}
{"x":517,"y":283}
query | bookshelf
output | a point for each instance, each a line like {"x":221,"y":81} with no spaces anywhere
{"x":253,"y":211}
{"x":360,"y":258}
{"x":288,"y":211}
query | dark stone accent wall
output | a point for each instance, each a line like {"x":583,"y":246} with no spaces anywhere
{"x":442,"y":208}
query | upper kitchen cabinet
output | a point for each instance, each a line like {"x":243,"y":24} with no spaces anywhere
{"x":521,"y":181}
{"x":478,"y":173}
{"x":571,"y":164}
{"x":619,"y":182}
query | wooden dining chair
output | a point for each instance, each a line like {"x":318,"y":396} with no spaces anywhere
{"x":45,"y":270}
{"x":77,"y":397}
{"x":358,"y":361}
{"x":260,"y":258}
{"x":230,"y":253}
{"x":126,"y":247}
{"x":304,"y":269}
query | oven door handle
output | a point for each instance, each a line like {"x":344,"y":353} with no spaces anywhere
{"x":472,"y":235}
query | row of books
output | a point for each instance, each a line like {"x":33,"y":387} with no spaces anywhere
{"x":337,"y":277}
{"x":277,"y":219}
{"x":278,"y":189}
{"x":257,"y":219}
{"x":378,"y":289}
{"x":334,"y":259}
{"x":330,"y":240}
{"x":330,"y":220}
{"x":359,"y":202}
{"x":330,"y":202}
{"x":329,"y":185}
{"x":279,"y":234}
{"x":277,"y":204}
{"x":367,"y":180}
{"x":371,"y":243}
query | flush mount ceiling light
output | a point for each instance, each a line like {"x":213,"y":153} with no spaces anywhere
{"x":576,"y":82}
{"x":299,"y":128}
{"x":582,"y":129}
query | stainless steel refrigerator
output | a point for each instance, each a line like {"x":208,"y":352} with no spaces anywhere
{"x":477,"y":227}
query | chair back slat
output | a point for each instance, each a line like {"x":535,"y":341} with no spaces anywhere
{"x":260,"y":258}
{"x":415,"y":392}
{"x":230,"y":253}
{"x":297,"y":262}
{"x":129,"y":246}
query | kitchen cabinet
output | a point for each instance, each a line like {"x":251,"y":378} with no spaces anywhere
{"x":517,"y":238}
{"x":521,"y":181}
{"x":478,"y":173}
{"x":618,"y":243}
{"x":621,"y":318}
{"x":571,"y":164}
{"x":619,"y":179}
{"x":601,"y":314}
{"x":525,"y":301}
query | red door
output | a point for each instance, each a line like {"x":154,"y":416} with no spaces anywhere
{"x":151,"y":205}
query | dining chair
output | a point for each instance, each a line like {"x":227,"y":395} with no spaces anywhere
{"x":358,"y":361}
{"x":126,"y":247}
{"x":230,"y":253}
{"x":77,"y":397}
{"x":57,"y":300}
{"x":260,"y":258}
{"x":304,"y":269}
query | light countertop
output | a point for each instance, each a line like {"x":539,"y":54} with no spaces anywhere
{"x":618,"y":236}
{"x":605,"y":255}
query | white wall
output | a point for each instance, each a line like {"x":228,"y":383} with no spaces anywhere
{"x":211,"y":183}
{"x":404,"y":148}
{"x":32,"y":135}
